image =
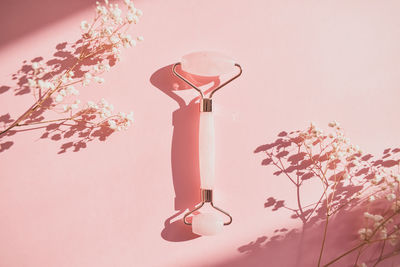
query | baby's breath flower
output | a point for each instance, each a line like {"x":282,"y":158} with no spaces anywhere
{"x":87,"y":78}
{"x":91,"y":104}
{"x":64,"y":79}
{"x":396,"y":206}
{"x":98,"y":80}
{"x":139,"y":12}
{"x":59,"y":98}
{"x":378,"y":218}
{"x":72,"y":91}
{"x":122,"y":115}
{"x":116,"y":12}
{"x":75,"y":105}
{"x":130,"y":17}
{"x":104,"y":102}
{"x":368,"y":215}
{"x":114,"y":39}
{"x":383,"y":233}
{"x":332,"y":124}
{"x":130,"y":116}
{"x":84,"y":25}
{"x":364,"y":233}
{"x":102,"y":10}
{"x":32,"y":83}
{"x":112,"y":124}
{"x":35,"y":65}
{"x":88,"y":75}
{"x":131,"y":7}
{"x":63,"y":92}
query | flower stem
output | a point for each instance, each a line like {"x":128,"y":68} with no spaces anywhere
{"x":346,"y":253}
{"x":324,"y":238}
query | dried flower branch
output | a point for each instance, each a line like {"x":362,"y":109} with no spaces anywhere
{"x":100,"y":45}
{"x":349,"y":179}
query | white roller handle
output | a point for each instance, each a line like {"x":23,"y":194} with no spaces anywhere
{"x":207,"y":150}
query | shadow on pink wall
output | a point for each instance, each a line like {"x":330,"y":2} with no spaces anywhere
{"x":19,"y":18}
{"x":301,"y":247}
{"x":184,"y":149}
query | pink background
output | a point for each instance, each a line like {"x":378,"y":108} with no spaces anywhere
{"x":118,"y":202}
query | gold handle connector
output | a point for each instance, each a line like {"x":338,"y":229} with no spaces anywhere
{"x":207,"y":197}
{"x":205,"y":105}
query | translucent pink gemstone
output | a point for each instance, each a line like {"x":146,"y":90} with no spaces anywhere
{"x":207,"y":63}
{"x":207,"y":224}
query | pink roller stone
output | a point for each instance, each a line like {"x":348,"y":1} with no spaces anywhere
{"x":207,"y":63}
{"x":207,"y":224}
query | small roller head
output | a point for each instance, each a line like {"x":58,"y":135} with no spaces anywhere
{"x":207,"y":63}
{"x":207,"y":224}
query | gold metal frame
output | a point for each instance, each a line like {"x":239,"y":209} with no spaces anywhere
{"x":197,"y":89}
{"x":206,"y":195}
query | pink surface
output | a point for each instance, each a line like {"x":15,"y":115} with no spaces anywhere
{"x":118,"y":201}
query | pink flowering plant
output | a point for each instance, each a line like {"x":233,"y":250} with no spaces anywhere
{"x":350,"y":180}
{"x":55,"y":85}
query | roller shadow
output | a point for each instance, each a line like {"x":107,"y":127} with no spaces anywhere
{"x":184,"y":149}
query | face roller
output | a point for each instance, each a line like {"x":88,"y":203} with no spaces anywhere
{"x":207,"y":64}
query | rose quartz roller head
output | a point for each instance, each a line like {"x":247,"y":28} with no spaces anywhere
{"x":207,"y":64}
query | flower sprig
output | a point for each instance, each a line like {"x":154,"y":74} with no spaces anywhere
{"x":349,"y":179}
{"x":100,"y":47}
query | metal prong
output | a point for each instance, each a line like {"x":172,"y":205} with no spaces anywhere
{"x":197,"y":89}
{"x":224,"y":212}
{"x":185,"y":80}
{"x":199,"y":207}
{"x":228,"y":81}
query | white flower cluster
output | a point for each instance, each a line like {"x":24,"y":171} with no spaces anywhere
{"x":112,"y":20}
{"x":365,"y":233}
{"x":120,"y":121}
{"x":36,"y":80}
{"x":375,"y":218}
{"x":341,"y":154}
{"x":102,"y":40}
{"x":68,"y":91}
